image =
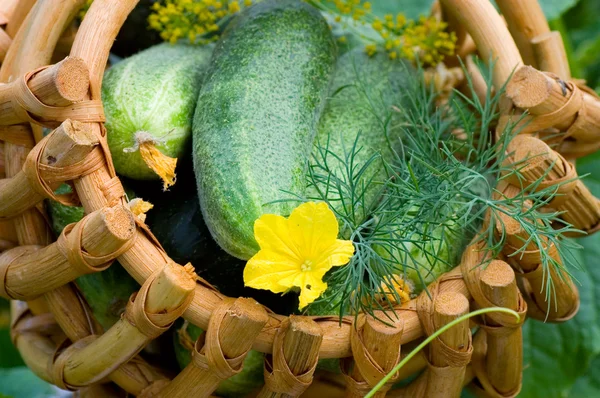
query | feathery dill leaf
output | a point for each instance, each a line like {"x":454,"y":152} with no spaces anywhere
{"x":439,"y":190}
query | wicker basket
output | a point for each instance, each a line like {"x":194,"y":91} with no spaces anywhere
{"x":62,"y":343}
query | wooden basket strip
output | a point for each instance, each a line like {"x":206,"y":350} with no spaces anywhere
{"x":75,"y":318}
{"x":535,"y":159}
{"x":451,"y":352}
{"x":555,"y":103}
{"x":525,"y":20}
{"x":64,"y":155}
{"x":219,"y":353}
{"x":31,"y":48}
{"x":41,"y":32}
{"x":505,"y":345}
{"x":376,"y":349}
{"x":289,"y":370}
{"x":49,"y":95}
{"x":104,"y":233}
{"x":36,"y":349}
{"x":20,"y":10}
{"x":5,"y":42}
{"x":492,"y":38}
{"x":151,"y":312}
{"x":7,"y":8}
{"x":551,"y":55}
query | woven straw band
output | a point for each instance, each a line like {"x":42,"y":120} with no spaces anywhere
{"x":40,"y":175}
{"x":24,"y":322}
{"x":208,"y":353}
{"x":519,"y":258}
{"x":70,"y":245}
{"x":278,"y":376}
{"x":425,"y":308}
{"x":529,"y":174}
{"x":371,"y":371}
{"x":471,"y":267}
{"x":534,"y":309}
{"x":575,"y":106}
{"x":151,"y":325}
{"x":6,"y":259}
{"x":480,"y":368}
{"x":29,"y":108}
{"x":57,"y":363}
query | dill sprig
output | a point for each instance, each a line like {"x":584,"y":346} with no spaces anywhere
{"x":439,"y":193}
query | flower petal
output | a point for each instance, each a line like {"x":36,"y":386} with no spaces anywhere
{"x":313,"y":227}
{"x":310,"y":294}
{"x":335,"y":255}
{"x":272,"y":233}
{"x":267,"y":269}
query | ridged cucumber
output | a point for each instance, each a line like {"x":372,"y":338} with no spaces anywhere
{"x":256,"y":117}
{"x":149,"y":101}
{"x":359,"y":112}
{"x":106,"y":292}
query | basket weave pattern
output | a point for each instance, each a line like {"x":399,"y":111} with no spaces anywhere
{"x":55,"y":331}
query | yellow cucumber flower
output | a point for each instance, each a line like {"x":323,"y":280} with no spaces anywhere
{"x":297,"y":251}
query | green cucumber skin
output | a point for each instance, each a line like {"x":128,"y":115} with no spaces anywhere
{"x":106,"y":292}
{"x":242,"y":384}
{"x":256,"y":117}
{"x":153,"y":91}
{"x":363,"y":91}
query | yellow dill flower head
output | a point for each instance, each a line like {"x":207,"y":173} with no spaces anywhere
{"x":234,"y":7}
{"x":377,"y":25}
{"x":400,"y":287}
{"x":371,"y":49}
{"x":191,"y":19}
{"x":297,"y":252}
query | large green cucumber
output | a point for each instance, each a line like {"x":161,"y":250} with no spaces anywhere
{"x":240,"y":385}
{"x":150,"y":97}
{"x":359,"y":111}
{"x":176,"y":221}
{"x":106,"y":292}
{"x":256,"y":117}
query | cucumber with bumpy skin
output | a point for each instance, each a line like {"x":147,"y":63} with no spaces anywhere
{"x":359,"y":111}
{"x":149,"y":102}
{"x":256,"y":117}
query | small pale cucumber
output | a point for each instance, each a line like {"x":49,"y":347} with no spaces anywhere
{"x":149,"y":102}
{"x":359,"y":111}
{"x":256,"y":118}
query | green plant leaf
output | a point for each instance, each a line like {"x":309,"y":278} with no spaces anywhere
{"x":21,"y":382}
{"x":558,"y":357}
{"x":589,"y":385}
{"x":410,"y":8}
{"x":555,"y":8}
{"x":413,"y":8}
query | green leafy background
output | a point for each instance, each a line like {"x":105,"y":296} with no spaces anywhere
{"x":560,"y":360}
